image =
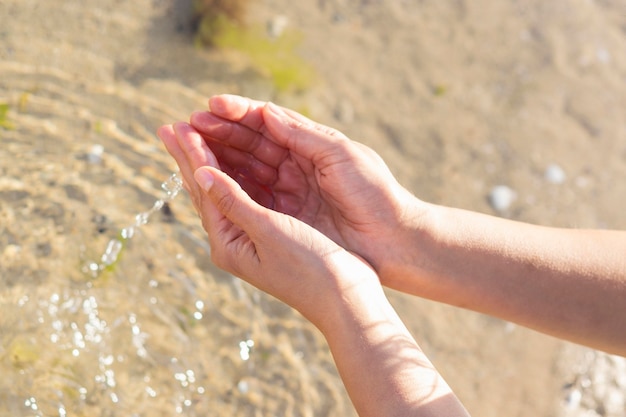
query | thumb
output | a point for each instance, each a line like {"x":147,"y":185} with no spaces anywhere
{"x":228,"y":198}
{"x":299,"y":133}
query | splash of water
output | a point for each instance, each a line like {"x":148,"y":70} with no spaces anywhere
{"x":171,"y":187}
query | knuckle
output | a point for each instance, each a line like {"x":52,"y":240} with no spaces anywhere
{"x":225,"y":203}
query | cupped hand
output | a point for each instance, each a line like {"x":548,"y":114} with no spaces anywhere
{"x":312,"y":172}
{"x":271,"y":250}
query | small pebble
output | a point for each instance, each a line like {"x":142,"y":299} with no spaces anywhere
{"x":243,"y":387}
{"x":95,"y":154}
{"x":573,"y":399}
{"x":277,"y":25}
{"x":11,"y":252}
{"x":501,"y":197}
{"x":554,"y":174}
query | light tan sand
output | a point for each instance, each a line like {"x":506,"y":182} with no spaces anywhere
{"x":457,"y":96}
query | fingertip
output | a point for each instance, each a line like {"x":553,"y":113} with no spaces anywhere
{"x":197,"y":118}
{"x":165,"y":131}
{"x":216,"y":103}
{"x":229,"y":106}
{"x":204,"y":177}
{"x":181,"y":127}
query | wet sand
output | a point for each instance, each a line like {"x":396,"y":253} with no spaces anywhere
{"x":457,"y":96}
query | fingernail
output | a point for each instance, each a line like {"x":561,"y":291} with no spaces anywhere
{"x":221,"y":104}
{"x":204,"y":178}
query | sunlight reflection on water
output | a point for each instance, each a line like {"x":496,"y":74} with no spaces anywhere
{"x":159,"y":331}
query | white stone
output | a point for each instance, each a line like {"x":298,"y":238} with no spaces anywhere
{"x":554,"y":174}
{"x":501,"y":197}
{"x":277,"y":25}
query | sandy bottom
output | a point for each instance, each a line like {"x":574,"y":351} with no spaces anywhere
{"x":457,"y":96}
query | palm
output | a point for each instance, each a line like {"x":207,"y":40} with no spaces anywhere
{"x":344,"y":204}
{"x":308,"y":171}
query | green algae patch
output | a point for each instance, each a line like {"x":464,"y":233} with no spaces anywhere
{"x":275,"y":58}
{"x":219,"y":24}
{"x":23,"y":352}
{"x":5,"y":123}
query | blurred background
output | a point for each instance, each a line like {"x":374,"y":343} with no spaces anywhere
{"x":515,"y":109}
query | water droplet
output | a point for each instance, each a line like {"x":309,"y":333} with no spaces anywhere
{"x":112,"y":251}
{"x":142,"y":219}
{"x":245,"y":346}
{"x":158,"y":205}
{"x":191,"y":376}
{"x":172,"y":185}
{"x":128,"y":232}
{"x":23,"y":300}
{"x":110,"y":378}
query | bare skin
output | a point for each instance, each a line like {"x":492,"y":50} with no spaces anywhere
{"x":383,"y":368}
{"x":277,"y":191}
{"x":566,"y":283}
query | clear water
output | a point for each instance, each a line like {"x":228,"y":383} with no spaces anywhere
{"x":110,"y":305}
{"x":104,"y":315}
{"x":171,"y":187}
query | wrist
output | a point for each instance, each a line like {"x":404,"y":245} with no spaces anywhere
{"x":356,"y":310}
{"x":405,"y":256}
{"x":356,"y":296}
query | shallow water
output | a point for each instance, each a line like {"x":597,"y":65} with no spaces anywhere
{"x":161,"y":331}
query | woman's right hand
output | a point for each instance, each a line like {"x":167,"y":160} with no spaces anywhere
{"x":272,"y":251}
{"x":312,"y":172}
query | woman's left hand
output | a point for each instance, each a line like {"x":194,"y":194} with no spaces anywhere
{"x":272,"y":251}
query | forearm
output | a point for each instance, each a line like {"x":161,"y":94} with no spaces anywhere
{"x":567,"y":283}
{"x":383,"y":369}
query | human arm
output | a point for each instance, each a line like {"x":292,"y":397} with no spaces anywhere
{"x":567,"y":283}
{"x":383,"y":368}
{"x":564,"y":282}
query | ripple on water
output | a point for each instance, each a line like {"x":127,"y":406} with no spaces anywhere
{"x":162,"y":332}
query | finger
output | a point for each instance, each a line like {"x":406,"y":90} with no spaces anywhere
{"x":195,"y":149}
{"x":229,"y":201}
{"x":168,"y":137}
{"x":258,"y":192}
{"x":242,"y":110}
{"x":236,"y":135}
{"x":243,"y":161}
{"x":300,"y":134}
{"x":231,"y":248}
